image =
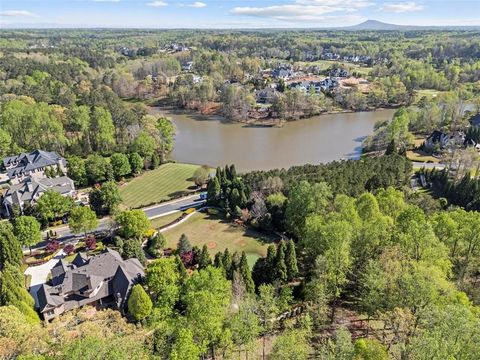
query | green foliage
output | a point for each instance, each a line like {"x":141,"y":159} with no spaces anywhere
{"x":163,"y":283}
{"x":77,"y":171}
{"x":105,"y":199}
{"x":120,"y":165}
{"x":291,"y":345}
{"x":183,"y":245}
{"x":136,"y":163}
{"x":10,"y":249}
{"x":204,"y":258}
{"x":51,"y":205}
{"x":133,"y":224}
{"x":82,"y":219}
{"x":27,"y":230}
{"x":139,"y":303}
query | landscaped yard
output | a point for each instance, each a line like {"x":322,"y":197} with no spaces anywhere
{"x":219,"y":234}
{"x":167,"y":182}
{"x":165,"y":220}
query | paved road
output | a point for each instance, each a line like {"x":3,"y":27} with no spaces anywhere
{"x":152,"y":212}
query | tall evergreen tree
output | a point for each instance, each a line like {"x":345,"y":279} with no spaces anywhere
{"x":270,"y":263}
{"x":291,"y":260}
{"x":182,"y":270}
{"x":204,"y":258}
{"x":218,"y":262}
{"x":183,"y":245}
{"x":246,"y":274}
{"x":280,"y":266}
{"x":213,"y":190}
{"x":10,"y":249}
{"x":227,"y":263}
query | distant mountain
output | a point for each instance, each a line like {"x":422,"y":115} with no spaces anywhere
{"x":378,"y":25}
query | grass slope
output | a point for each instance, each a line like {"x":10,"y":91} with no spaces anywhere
{"x":219,"y":234}
{"x":168,"y":181}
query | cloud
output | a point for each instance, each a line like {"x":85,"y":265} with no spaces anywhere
{"x":303,"y":10}
{"x":157,"y":3}
{"x":408,"y":6}
{"x":197,"y":4}
{"x":17,"y":13}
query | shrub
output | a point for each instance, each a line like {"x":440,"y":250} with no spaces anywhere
{"x":91,"y":243}
{"x":52,"y":246}
{"x":69,"y":249}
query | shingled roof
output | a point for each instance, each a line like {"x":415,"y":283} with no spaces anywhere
{"x":88,"y":279}
{"x":25,"y":162}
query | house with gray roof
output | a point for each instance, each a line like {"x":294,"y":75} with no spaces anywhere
{"x":33,"y":164}
{"x":102,"y":280}
{"x":30,"y":189}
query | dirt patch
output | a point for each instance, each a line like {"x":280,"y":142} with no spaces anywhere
{"x":212,"y":245}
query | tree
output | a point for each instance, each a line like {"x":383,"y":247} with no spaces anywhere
{"x":291,"y":345}
{"x":5,"y":143}
{"x":77,"y":171}
{"x":139,"y":303}
{"x":246,"y":274}
{"x":136,"y":163}
{"x":305,"y":199}
{"x":144,"y":145}
{"x":163,"y":283}
{"x":204,"y":259}
{"x":267,"y":309}
{"x":156,"y":245}
{"x":201,"y":174}
{"x":132,"y":224}
{"x":227,"y":262}
{"x":213,"y":190}
{"x":207,"y":296}
{"x":280,"y":266}
{"x":291,"y":260}
{"x":10,"y":249}
{"x":167,"y":136}
{"x":184,"y":347}
{"x":183,"y":245}
{"x":82,"y":219}
{"x":132,"y":248}
{"x":27,"y":230}
{"x":120,"y":165}
{"x":51,"y":205}
{"x":105,"y":199}
{"x":370,"y":349}
{"x":98,"y":169}
{"x":102,"y":130}
{"x":245,"y":326}
{"x":12,"y":292}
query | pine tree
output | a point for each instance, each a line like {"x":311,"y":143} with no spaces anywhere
{"x":246,"y":274}
{"x":227,"y":263}
{"x":218,"y":262}
{"x":213,"y":190}
{"x":10,"y":248}
{"x":280,"y":266}
{"x":184,"y":245}
{"x":139,"y":303}
{"x":291,"y":260}
{"x":232,"y":172}
{"x":219,"y":175}
{"x":270,"y":263}
{"x":204,"y":258}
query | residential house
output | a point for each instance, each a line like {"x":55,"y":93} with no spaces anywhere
{"x":102,"y":280}
{"x":282,"y":72}
{"x":339,"y":73}
{"x":33,"y":164}
{"x":266,"y":96}
{"x":29,"y":191}
{"x":443,"y":140}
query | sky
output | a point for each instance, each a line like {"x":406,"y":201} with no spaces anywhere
{"x":234,"y":13}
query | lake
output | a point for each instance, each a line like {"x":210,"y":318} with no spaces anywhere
{"x":215,"y":142}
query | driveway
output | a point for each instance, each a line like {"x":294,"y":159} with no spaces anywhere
{"x":40,"y":274}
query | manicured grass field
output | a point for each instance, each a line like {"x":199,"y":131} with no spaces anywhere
{"x":220,"y":234}
{"x":164,"y":220}
{"x":167,"y":182}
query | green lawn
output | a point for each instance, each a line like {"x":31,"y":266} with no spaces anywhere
{"x":325,"y":64}
{"x":165,"y":220}
{"x":168,"y":181}
{"x":220,"y":234}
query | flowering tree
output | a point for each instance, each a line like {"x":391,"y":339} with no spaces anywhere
{"x":68,"y":249}
{"x":91,"y":243}
{"x":52,"y":246}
